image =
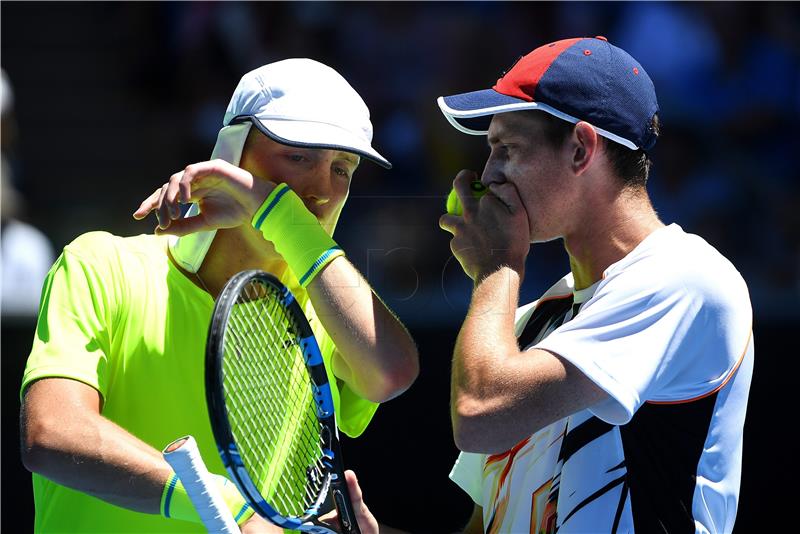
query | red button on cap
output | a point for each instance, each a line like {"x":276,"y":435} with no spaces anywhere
{"x":601,"y":38}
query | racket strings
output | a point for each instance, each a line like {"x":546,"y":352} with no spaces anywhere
{"x":270,"y":404}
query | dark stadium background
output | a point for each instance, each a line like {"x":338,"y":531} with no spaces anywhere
{"x":112,"y":98}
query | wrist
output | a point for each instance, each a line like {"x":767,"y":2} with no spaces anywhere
{"x":176,"y":504}
{"x":485,"y":271}
{"x":495,"y":296}
{"x":296,"y":234}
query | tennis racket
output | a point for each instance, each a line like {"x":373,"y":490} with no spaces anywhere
{"x":271,"y":408}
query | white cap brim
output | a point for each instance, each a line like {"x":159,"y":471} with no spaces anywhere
{"x":310,"y":134}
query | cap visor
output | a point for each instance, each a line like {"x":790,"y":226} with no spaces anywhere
{"x":471,"y":112}
{"x":478,"y":103}
{"x":316,"y":135}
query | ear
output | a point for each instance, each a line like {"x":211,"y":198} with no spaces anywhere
{"x":585,"y":143}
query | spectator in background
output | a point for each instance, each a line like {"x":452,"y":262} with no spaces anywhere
{"x":25,"y":252}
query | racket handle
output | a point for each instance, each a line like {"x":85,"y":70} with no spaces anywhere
{"x":344,"y":507}
{"x":184,"y":457}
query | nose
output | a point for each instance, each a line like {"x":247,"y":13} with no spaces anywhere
{"x":492,"y":172}
{"x":319,"y":189}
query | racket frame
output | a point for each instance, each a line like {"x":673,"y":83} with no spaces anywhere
{"x":323,"y":400}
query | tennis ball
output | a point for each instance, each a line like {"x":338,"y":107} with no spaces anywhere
{"x":454,"y":205}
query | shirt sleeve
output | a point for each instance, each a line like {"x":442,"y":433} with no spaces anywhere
{"x":72,"y":333}
{"x":467,"y":473}
{"x":657,"y":336}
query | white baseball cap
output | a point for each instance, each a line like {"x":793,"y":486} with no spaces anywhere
{"x":301,"y":102}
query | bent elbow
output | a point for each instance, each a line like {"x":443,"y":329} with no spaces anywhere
{"x":473,"y":436}
{"x":404,"y":375}
{"x":397,"y":379}
{"x":35,"y":450}
{"x":467,"y":426}
{"x":391,"y":385}
{"x":33,"y":458}
{"x":476,"y":429}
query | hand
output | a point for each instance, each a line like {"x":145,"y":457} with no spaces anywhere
{"x":258,"y":525}
{"x":366,"y":521}
{"x":228,"y":196}
{"x":492,"y":231}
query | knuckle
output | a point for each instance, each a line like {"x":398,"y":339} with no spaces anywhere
{"x":216,"y":165}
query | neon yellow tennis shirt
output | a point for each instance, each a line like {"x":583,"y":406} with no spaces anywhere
{"x":117,"y":315}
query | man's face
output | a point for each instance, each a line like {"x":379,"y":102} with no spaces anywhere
{"x":320,"y":177}
{"x":521,"y":155}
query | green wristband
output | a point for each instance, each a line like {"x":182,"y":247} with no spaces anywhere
{"x":296,"y":233}
{"x":175,"y":502}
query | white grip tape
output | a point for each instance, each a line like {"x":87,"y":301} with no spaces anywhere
{"x":184,"y":457}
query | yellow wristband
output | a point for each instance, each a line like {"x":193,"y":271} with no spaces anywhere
{"x":175,"y":502}
{"x":296,"y":233}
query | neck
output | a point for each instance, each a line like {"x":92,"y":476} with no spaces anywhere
{"x":231,"y":252}
{"x":602,"y":241}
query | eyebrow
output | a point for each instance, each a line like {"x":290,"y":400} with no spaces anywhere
{"x":496,"y":138}
{"x":347,"y":156}
{"x":499,"y":132}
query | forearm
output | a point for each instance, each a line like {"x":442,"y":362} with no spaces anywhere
{"x":500,"y":395}
{"x":378,"y":358}
{"x":91,"y":454}
{"x":483,"y":350}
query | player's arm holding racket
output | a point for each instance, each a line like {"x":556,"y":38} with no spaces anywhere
{"x":376,"y":355}
{"x":66,"y":439}
{"x":60,"y":419}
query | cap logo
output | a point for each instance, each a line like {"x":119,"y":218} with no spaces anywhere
{"x":636,"y":71}
{"x":587,"y":52}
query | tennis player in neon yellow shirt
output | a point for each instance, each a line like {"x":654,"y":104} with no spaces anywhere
{"x":116,"y":369}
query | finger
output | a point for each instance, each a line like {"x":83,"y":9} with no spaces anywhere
{"x":465,"y":177}
{"x":449,"y":223}
{"x":356,"y":496}
{"x":162,"y":214}
{"x":147,"y":205}
{"x":366,"y":521}
{"x":215,"y":170}
{"x":331,"y":518}
{"x":185,"y":187}
{"x":463,"y":186}
{"x":172,"y":196}
{"x":192,"y":177}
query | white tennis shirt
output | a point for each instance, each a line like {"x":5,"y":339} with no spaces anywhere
{"x":667,"y":333}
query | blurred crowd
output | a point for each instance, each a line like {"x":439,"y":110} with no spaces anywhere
{"x":113,"y":98}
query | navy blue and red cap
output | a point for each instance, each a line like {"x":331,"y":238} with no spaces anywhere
{"x":580,"y":79}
